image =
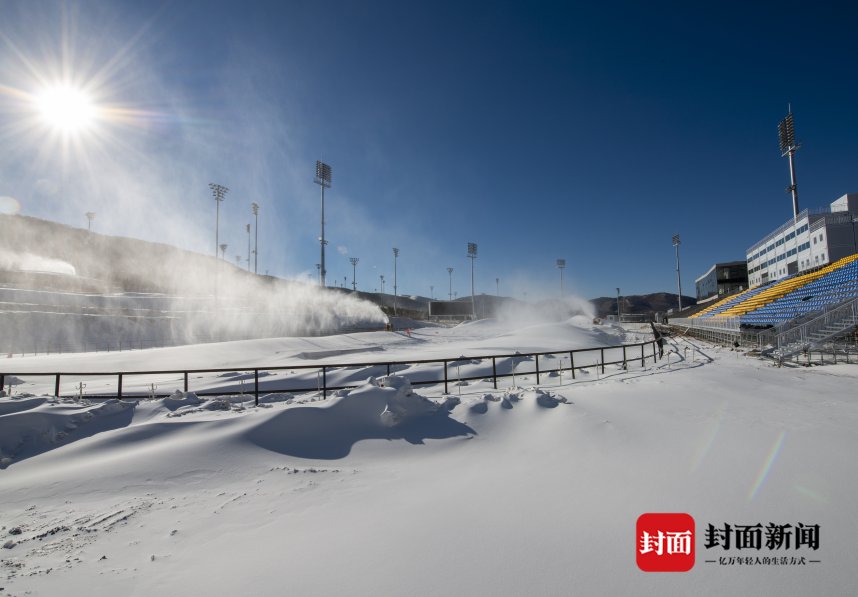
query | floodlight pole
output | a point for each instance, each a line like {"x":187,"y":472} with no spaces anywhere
{"x":323,"y":179}
{"x":248,"y":247}
{"x":395,"y":290}
{"x":497,"y":284}
{"x":255,"y":209}
{"x":676,"y":243}
{"x":431,"y":292}
{"x":354,"y":262}
{"x":561,"y":265}
{"x":89,"y":217}
{"x":618,"y":304}
{"x":223,"y":247}
{"x":472,"y":255}
{"x":793,"y":187}
{"x":788,"y":146}
{"x":219,"y":191}
{"x":450,"y":273}
{"x":381,"y":277}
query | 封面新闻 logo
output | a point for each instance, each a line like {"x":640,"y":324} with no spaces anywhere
{"x":665,"y":542}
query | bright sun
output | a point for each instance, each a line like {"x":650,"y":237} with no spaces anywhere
{"x":66,"y":108}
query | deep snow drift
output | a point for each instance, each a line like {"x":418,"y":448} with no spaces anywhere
{"x":388,"y":489}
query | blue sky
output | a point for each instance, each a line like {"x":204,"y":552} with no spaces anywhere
{"x":537,"y":130}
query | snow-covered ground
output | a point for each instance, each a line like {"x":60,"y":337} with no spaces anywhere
{"x":391,"y":490}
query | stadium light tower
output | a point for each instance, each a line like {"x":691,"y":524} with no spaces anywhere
{"x":219,"y":191}
{"x":254,"y":207}
{"x":90,"y":215}
{"x":431,"y":292}
{"x":561,"y":265}
{"x":323,"y":179}
{"x":223,"y":247}
{"x":618,"y":304}
{"x":248,"y":247}
{"x":450,"y":273}
{"x":381,"y":278}
{"x":497,"y":284}
{"x":788,"y":144}
{"x":354,"y":262}
{"x":472,"y":255}
{"x":395,"y":291}
{"x":676,"y":243}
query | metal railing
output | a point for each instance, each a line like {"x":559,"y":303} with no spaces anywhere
{"x":707,"y":323}
{"x":804,"y":334}
{"x":340,"y":376}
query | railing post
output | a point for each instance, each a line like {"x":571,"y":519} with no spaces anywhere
{"x":57,"y":386}
{"x":643,"y":358}
{"x":602,"y":350}
{"x":536,"y":359}
{"x":572,"y":363}
{"x":256,"y":387}
{"x":324,"y":382}
{"x":445,"y":377}
{"x":186,"y":382}
{"x":119,"y":387}
{"x":624,"y":357}
{"x":388,"y":368}
{"x":495,"y":372}
{"x":3,"y":382}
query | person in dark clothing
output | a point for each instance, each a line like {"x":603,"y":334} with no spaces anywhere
{"x":659,"y":339}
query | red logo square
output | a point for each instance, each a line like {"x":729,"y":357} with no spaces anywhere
{"x":665,"y":542}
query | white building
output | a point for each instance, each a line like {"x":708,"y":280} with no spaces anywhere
{"x":815,"y":238}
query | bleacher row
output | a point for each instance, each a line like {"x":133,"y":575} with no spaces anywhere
{"x":795,"y":296}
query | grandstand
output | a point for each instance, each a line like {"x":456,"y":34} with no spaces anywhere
{"x":785,"y":317}
{"x":729,"y":301}
{"x":803,"y":287}
{"x":838,"y":284}
{"x":794,"y":296}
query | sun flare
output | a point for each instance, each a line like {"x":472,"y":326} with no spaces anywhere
{"x":66,"y":108}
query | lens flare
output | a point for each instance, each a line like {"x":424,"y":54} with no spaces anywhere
{"x":767,"y":466}
{"x":9,"y":206}
{"x":66,"y":108}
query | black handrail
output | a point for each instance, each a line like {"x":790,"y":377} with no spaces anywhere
{"x":325,"y":388}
